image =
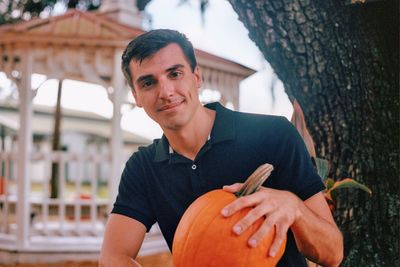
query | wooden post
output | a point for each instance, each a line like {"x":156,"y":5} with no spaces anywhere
{"x":116,"y":133}
{"x":24,"y":150}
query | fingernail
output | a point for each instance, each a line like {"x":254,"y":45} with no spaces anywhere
{"x":225,"y":212}
{"x":252,"y":242}
{"x":272,"y":253}
{"x":237,"y":229}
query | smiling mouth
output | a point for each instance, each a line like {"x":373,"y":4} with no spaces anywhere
{"x":170,"y":106}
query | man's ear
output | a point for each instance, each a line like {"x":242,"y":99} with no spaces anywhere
{"x":199,"y":78}
{"x":137,"y":101}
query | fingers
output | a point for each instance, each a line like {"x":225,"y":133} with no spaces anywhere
{"x":268,"y":203}
{"x":240,"y":203}
{"x":258,"y":236}
{"x":232,"y":188}
{"x":250,"y":218}
{"x":281,"y":228}
{"x":280,"y":235}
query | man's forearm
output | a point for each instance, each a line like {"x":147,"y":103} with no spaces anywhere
{"x":118,"y":261}
{"x":317,"y":239}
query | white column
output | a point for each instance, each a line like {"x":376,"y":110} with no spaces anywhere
{"x":224,"y":86}
{"x":24,"y":149}
{"x":206,"y":78}
{"x":118,"y":86}
{"x":235,"y":92}
{"x":232,"y":92}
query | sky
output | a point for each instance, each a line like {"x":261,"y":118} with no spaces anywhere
{"x":222,"y":34}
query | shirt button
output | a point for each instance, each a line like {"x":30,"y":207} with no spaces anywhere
{"x":194,"y":167}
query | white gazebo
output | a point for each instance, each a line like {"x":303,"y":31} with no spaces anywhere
{"x":85,"y":46}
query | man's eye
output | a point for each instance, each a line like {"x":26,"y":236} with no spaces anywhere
{"x":175,"y":74}
{"x":147,"y":84}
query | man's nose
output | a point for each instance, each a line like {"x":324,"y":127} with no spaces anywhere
{"x":166,"y":88}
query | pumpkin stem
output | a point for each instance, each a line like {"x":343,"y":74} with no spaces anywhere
{"x":255,"y":180}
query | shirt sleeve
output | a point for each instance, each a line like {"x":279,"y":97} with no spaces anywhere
{"x":293,"y":167}
{"x":132,"y":199}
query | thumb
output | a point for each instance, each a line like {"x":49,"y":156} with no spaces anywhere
{"x":233,"y":187}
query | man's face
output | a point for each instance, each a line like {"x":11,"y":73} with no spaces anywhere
{"x":166,"y":88}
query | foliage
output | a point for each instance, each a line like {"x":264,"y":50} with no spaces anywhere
{"x":322,"y":165}
{"x":15,"y":10}
{"x":12,"y":11}
{"x":331,"y":186}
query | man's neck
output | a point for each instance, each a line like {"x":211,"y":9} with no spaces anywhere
{"x":188,"y":140}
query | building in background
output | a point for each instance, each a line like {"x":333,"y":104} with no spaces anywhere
{"x":81,"y":132}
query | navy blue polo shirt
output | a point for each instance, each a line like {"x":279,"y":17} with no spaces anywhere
{"x":157,"y":184}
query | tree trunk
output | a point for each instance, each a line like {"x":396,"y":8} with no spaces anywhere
{"x":55,"y":176}
{"x":341,"y":63}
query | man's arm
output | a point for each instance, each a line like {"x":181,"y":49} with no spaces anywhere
{"x":312,"y":224}
{"x":123,"y":238}
{"x":316,"y":234}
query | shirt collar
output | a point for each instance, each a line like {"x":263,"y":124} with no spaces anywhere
{"x":162,"y":149}
{"x":224,"y":129}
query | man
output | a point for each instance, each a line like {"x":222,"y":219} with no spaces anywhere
{"x":208,"y":147}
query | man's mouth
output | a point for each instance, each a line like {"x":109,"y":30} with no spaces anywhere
{"x":170,"y":105}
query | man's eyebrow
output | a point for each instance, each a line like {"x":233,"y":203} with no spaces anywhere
{"x":143,"y":78}
{"x":150,"y":76}
{"x":174,"y":67}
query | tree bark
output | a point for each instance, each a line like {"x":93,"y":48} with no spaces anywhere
{"x":341,"y":63}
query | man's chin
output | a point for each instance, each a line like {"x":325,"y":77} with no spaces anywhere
{"x":173,"y":125}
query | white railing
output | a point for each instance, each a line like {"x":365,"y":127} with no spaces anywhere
{"x":75,"y":219}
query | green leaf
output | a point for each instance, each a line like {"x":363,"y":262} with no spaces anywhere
{"x":348,"y":183}
{"x":329,"y":182}
{"x":322,"y":167}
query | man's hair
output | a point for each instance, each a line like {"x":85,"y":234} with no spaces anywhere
{"x":149,"y":43}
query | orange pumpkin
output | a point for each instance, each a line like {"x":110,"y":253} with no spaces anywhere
{"x":205,"y":238}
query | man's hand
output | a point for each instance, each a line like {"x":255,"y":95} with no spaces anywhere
{"x":280,"y":209}
{"x":316,"y":234}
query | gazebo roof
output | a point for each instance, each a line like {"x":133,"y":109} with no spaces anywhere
{"x":210,"y":60}
{"x":73,"y":27}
